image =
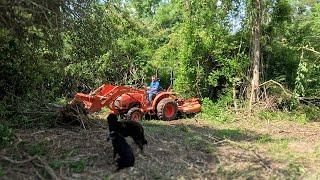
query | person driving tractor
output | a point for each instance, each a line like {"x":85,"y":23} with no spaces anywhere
{"x":154,"y":88}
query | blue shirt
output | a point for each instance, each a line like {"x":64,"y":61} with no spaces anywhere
{"x":154,"y":87}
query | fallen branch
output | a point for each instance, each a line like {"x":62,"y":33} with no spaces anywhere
{"x":40,"y":176}
{"x":44,"y":164}
{"x":310,"y":101}
{"x":17,"y":162}
{"x":312,"y":50}
{"x":262,"y":161}
{"x":275,"y":82}
{"x":47,"y":168}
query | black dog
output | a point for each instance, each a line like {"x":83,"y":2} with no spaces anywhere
{"x":122,"y":148}
{"x":128,"y":128}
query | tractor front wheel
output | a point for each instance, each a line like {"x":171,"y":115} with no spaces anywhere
{"x":167,"y":109}
{"x":134,"y":114}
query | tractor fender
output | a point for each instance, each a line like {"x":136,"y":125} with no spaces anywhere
{"x":161,"y":96}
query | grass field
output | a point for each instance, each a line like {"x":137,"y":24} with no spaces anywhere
{"x":195,"y":148}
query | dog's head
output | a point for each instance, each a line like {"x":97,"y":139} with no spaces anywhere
{"x":112,"y":118}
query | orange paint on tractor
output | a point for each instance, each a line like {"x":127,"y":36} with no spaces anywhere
{"x":133,"y":103}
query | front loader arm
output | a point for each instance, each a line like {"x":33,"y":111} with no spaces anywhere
{"x":105,"y":95}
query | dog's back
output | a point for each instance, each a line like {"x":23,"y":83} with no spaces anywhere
{"x":123,"y":149}
{"x":128,"y":128}
{"x":135,"y":130}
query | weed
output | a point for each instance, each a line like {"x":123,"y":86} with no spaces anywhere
{"x":184,"y":128}
{"x":1,"y":172}
{"x":268,"y":115}
{"x":230,"y":133}
{"x":281,"y":145}
{"x":294,"y":116}
{"x":312,"y":112}
{"x":215,"y":111}
{"x":278,"y":148}
{"x":294,"y":170}
{"x":37,"y":149}
{"x":69,"y":153}
{"x":62,"y":101}
{"x":77,"y":166}
{"x":56,"y":164}
{"x":317,"y":150}
{"x":6,"y":136}
{"x":264,"y":138}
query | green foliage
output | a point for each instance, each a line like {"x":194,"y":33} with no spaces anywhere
{"x":231,"y":133}
{"x":56,"y":164}
{"x":69,"y":153}
{"x":300,"y":79}
{"x":30,"y":42}
{"x":210,"y":109}
{"x":317,"y":150}
{"x":199,"y":47}
{"x":311,"y":112}
{"x":295,"y":170}
{"x":6,"y":135}
{"x":292,"y":26}
{"x":36,"y":149}
{"x":295,"y":116}
{"x":294,"y":102}
{"x":53,"y":49}
{"x":1,"y":172}
{"x":217,"y":111}
{"x":265,"y":138}
{"x":28,"y":111}
{"x":61,"y":101}
{"x":77,"y":166}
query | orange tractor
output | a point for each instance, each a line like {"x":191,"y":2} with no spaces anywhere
{"x":133,"y":104}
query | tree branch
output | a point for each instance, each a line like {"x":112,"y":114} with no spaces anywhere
{"x":275,"y":82}
{"x":17,"y":162}
{"x":312,"y":50}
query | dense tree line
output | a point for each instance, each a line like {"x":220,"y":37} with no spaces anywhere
{"x":51,"y":49}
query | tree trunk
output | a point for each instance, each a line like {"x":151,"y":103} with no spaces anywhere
{"x":255,"y":51}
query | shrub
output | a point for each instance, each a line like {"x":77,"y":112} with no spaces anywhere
{"x":216,"y":111}
{"x":77,"y":166}
{"x":295,"y":116}
{"x":6,"y":136}
{"x":311,"y":112}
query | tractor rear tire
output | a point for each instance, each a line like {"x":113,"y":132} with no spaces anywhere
{"x":167,"y":109}
{"x":134,"y":114}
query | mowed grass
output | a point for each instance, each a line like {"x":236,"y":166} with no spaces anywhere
{"x":243,"y":148}
{"x":287,"y":140}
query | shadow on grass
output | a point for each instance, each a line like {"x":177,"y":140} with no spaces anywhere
{"x":206,"y":132}
{"x":205,"y":144}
